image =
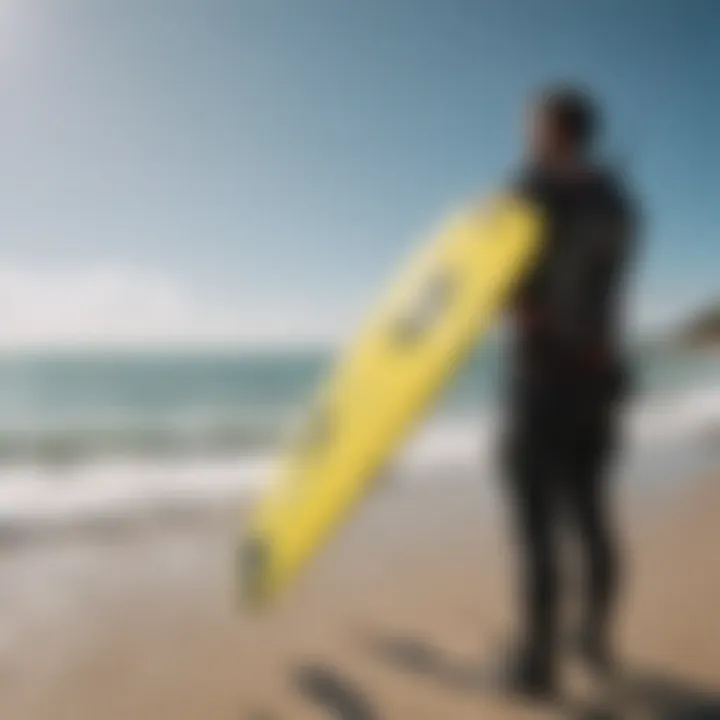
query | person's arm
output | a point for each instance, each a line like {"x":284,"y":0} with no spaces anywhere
{"x":529,"y":187}
{"x":608,"y":282}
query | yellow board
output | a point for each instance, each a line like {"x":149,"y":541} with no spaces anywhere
{"x":443,"y":302}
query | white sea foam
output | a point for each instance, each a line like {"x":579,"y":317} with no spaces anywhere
{"x":446,"y":447}
{"x":676,"y":416}
{"x":35,"y":494}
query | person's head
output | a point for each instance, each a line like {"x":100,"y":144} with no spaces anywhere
{"x":562,"y":126}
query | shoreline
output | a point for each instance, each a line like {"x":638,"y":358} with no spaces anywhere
{"x":124,"y":494}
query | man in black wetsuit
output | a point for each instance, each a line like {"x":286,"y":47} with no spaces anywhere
{"x":567,"y":380}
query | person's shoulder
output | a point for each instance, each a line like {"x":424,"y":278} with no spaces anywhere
{"x":614,"y":185}
{"x":621,"y":201}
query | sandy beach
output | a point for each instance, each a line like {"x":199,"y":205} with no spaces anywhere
{"x":139,"y":620}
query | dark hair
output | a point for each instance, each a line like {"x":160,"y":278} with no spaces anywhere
{"x":575,"y":112}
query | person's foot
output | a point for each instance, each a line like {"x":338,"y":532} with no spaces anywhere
{"x":595,"y":652}
{"x":528,"y":674}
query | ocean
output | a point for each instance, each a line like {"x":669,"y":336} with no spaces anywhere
{"x":88,"y":435}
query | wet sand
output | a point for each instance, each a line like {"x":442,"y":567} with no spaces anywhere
{"x":139,"y":620}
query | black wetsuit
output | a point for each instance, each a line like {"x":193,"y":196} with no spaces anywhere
{"x":567,"y":377}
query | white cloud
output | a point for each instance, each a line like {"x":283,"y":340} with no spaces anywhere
{"x":103,"y":305}
{"x":121,"y":306}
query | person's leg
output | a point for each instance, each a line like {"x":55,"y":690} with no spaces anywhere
{"x":533,"y":505}
{"x":588,"y":485}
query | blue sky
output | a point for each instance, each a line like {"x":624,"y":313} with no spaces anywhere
{"x":258,"y":168}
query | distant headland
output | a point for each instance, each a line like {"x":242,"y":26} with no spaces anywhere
{"x":701,"y":330}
